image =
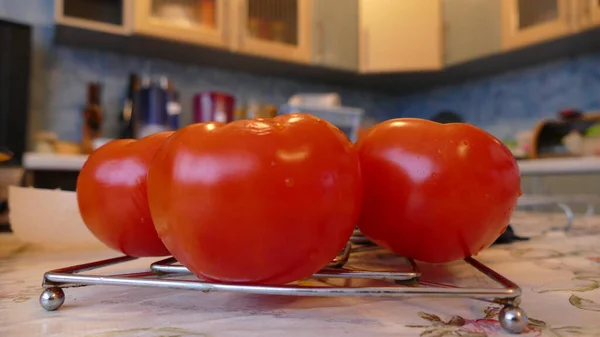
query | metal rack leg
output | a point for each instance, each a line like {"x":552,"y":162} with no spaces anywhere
{"x":52,"y":298}
{"x":513,"y":319}
{"x":568,"y":213}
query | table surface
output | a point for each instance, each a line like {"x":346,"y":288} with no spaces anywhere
{"x":558,"y":272}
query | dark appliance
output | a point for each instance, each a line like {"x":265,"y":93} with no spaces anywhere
{"x":15,"y":58}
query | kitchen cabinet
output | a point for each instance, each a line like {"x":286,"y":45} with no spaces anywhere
{"x":526,"y":22}
{"x":595,"y":11}
{"x":278,"y":29}
{"x":400,"y":36}
{"x":472,"y":29}
{"x":335,"y":34}
{"x":110,"y":16}
{"x":588,"y":13}
{"x":392,"y":46}
{"x":191,"y":21}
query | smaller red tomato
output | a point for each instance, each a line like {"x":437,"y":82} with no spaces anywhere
{"x":112,"y":197}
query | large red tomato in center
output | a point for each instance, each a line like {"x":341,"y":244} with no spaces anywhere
{"x":435,"y":192}
{"x":265,"y":201}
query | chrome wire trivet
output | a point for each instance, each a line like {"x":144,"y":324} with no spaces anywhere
{"x":168,"y":273}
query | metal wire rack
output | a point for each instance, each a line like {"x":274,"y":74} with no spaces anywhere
{"x":168,"y":273}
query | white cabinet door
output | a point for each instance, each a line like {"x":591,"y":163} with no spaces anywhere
{"x":400,"y":35}
{"x":472,"y":30}
{"x":335,"y":34}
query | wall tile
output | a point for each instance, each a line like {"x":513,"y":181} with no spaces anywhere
{"x":517,"y":100}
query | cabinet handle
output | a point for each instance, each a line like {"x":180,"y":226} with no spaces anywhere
{"x":321,"y":41}
{"x":223,"y":7}
{"x":445,"y":28}
{"x":570,"y":14}
{"x":587,"y":10}
{"x":241,"y":26}
{"x":514,"y":19}
{"x":365,"y":49}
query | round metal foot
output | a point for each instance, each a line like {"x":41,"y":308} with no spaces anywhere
{"x":513,"y":319}
{"x":52,"y":298}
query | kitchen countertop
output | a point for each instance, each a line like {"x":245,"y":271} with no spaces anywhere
{"x":548,"y":166}
{"x":65,"y":162}
{"x":53,"y":162}
{"x":559,"y":274}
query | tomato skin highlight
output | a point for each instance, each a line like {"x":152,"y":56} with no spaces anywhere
{"x":256,"y":201}
{"x":435,"y":192}
{"x":112,"y":196}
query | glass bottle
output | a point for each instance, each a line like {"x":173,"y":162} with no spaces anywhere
{"x":92,"y":118}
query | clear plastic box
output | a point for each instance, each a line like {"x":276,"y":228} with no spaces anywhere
{"x":346,"y":119}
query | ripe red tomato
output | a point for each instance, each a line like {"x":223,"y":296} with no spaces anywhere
{"x":435,"y":192}
{"x":264,"y":201}
{"x":112,"y":197}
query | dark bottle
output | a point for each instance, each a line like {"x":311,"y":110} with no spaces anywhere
{"x":127,"y":118}
{"x":173,"y":111}
{"x":92,"y":118}
{"x":151,"y":107}
{"x":173,"y":107}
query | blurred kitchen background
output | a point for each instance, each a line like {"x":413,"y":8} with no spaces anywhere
{"x":77,"y":73}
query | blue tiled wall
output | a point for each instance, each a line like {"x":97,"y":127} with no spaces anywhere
{"x":501,"y":104}
{"x":515,"y":101}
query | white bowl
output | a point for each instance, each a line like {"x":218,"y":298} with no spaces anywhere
{"x":48,"y":218}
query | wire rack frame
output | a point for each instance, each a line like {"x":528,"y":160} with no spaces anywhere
{"x":167,"y":273}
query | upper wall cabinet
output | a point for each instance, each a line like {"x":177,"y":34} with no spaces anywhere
{"x":194,"y":21}
{"x":399,"y":36}
{"x":274,"y":28}
{"x":359,"y":37}
{"x":526,"y":22}
{"x":335,"y":34}
{"x":472,"y":29}
{"x":110,"y":16}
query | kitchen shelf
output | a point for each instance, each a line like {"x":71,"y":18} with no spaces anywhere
{"x":392,"y":83}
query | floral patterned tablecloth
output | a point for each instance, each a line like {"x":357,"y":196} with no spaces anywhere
{"x":558,"y":272}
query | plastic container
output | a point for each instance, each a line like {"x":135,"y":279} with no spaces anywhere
{"x":346,"y":119}
{"x":48,"y":218}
